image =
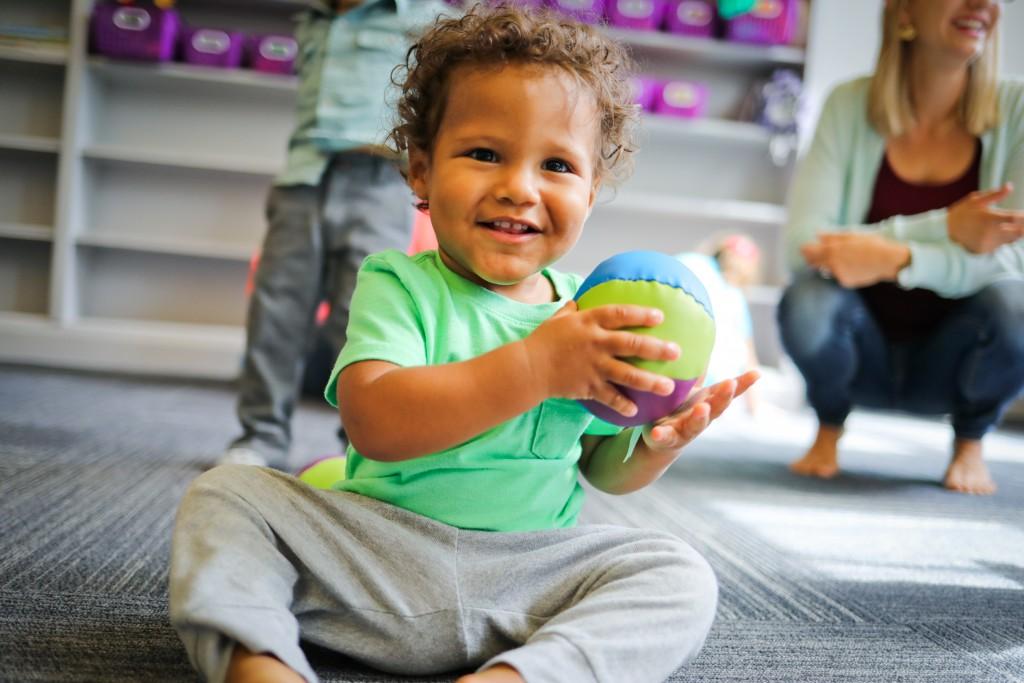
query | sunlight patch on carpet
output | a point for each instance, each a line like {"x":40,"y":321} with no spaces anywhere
{"x":885,"y":547}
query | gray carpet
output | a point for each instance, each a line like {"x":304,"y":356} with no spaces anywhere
{"x":879,"y":575}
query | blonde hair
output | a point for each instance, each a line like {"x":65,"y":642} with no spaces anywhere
{"x":889,"y":107}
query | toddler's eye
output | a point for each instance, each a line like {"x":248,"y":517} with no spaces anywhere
{"x":481,"y":154}
{"x":557,"y":165}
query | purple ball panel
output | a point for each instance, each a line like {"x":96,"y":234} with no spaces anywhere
{"x":650,"y":407}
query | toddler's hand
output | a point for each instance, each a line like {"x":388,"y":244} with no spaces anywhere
{"x":673,"y":432}
{"x":578,"y":354}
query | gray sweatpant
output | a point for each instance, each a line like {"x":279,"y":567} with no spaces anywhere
{"x":260,"y":558}
{"x":317,"y":237}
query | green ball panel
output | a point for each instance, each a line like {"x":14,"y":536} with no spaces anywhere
{"x":324,"y":474}
{"x":686,"y":322}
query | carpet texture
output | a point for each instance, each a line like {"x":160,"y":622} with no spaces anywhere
{"x":878,"y":575}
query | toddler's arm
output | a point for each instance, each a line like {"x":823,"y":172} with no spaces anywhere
{"x":397,"y":413}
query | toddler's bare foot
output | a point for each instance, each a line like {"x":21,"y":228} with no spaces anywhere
{"x":967,"y":472}
{"x":822,"y":459}
{"x":501,"y":673}
{"x":246,"y":667}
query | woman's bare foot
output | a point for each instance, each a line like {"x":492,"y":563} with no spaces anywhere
{"x":502,"y":673}
{"x":967,"y":472}
{"x":246,"y":667}
{"x":822,"y":458}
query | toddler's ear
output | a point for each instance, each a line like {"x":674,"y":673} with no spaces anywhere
{"x":419,"y":172}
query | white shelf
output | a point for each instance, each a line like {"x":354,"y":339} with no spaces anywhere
{"x":169,"y":245}
{"x":29,"y":143}
{"x":22,"y":231}
{"x":719,"y":210}
{"x":128,"y":72}
{"x":710,"y":49}
{"x":716,"y":129}
{"x":34,"y":54}
{"x":123,"y":345}
{"x":186,"y":160}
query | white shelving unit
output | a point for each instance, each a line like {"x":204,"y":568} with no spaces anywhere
{"x":131,"y":195}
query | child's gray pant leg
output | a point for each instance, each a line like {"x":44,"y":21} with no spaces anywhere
{"x":229,"y":581}
{"x":595,"y":603}
{"x":262,"y":559}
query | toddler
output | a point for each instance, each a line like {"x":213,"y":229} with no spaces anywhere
{"x":452,"y":544}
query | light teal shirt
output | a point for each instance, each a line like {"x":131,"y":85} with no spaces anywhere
{"x":344,"y":66}
{"x":835,"y":182}
{"x":520,"y":475}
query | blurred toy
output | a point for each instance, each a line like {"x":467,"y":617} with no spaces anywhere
{"x":775,"y":104}
{"x":143,"y":31}
{"x":739,"y":259}
{"x":323,"y":473}
{"x":643,"y":15}
{"x":727,"y":266}
{"x":683,"y":99}
{"x":769,"y":22}
{"x":646,"y":91}
{"x":586,"y":11}
{"x":694,"y":18}
{"x":212,"y":47}
{"x":648,"y":278}
{"x":731,"y":8}
{"x":272,"y":53}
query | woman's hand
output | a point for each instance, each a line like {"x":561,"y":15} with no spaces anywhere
{"x":674,"y":432}
{"x":979,"y":227}
{"x":856,"y":259}
{"x":579,"y":354}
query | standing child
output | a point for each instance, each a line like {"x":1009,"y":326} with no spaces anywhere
{"x":453,"y":542}
{"x":340,"y":197}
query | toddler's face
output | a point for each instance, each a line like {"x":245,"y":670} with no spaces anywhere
{"x":511,"y":176}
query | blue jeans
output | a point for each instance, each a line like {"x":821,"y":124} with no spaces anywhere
{"x":971,"y":366}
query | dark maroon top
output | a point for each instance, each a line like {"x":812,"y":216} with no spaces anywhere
{"x":904,"y":314}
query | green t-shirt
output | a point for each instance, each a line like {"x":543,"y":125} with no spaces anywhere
{"x":520,"y":475}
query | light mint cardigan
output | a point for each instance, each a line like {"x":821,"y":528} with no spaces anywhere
{"x":835,"y":181}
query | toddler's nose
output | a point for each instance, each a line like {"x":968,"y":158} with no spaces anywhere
{"x":518,"y":186}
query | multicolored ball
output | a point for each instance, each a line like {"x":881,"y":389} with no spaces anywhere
{"x":654,"y":280}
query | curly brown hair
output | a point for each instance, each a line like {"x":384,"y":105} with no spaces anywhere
{"x":495,"y":36}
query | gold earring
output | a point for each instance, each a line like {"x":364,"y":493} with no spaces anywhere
{"x":907,"y":33}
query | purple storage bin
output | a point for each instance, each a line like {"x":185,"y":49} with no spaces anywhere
{"x":646,"y":15}
{"x":273,"y":53}
{"x":212,"y":47}
{"x":586,"y":11}
{"x":770,"y":22}
{"x":691,"y":18}
{"x":527,"y":4}
{"x":141,"y":31}
{"x":646,"y":91}
{"x":685,"y":99}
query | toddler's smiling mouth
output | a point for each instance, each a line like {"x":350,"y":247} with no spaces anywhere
{"x":510,"y":227}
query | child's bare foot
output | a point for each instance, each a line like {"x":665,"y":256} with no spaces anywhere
{"x":246,"y":667}
{"x":501,"y":673}
{"x":967,"y":472}
{"x":822,"y":459}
